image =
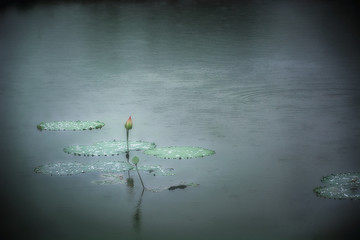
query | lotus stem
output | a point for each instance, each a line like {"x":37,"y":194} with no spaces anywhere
{"x":127,"y":139}
{"x":142,"y":183}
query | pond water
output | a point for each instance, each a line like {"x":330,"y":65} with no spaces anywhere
{"x":272,"y":88}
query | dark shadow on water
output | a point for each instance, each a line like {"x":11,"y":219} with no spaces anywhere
{"x":181,"y":186}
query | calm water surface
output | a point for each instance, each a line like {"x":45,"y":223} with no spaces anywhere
{"x":272,"y":88}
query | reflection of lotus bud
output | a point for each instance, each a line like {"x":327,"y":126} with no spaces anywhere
{"x":128,"y":124}
{"x":130,"y":182}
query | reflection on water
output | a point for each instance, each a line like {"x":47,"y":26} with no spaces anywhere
{"x":129,"y":179}
{"x":130,"y":185}
{"x":137,"y":215}
{"x":272,"y":87}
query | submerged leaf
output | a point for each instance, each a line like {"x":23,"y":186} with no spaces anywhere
{"x":156,"y":170}
{"x":110,"y":178}
{"x":179,"y":152}
{"x":182,"y":185}
{"x":107,"y":148}
{"x":70,"y":125}
{"x":340,"y":186}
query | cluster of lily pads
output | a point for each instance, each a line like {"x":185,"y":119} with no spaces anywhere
{"x":70,"y":125}
{"x":340,"y":186}
{"x":112,"y":170}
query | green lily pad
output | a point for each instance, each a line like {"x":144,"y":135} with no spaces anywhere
{"x":342,"y":179}
{"x":108,"y":148}
{"x":72,"y":168}
{"x":340,"y":186}
{"x":70,"y":125}
{"x":179,"y":152}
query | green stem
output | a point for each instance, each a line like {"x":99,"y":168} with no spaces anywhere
{"x":127,"y":139}
{"x":142,"y":183}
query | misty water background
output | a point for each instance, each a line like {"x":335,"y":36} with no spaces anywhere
{"x":273,"y":88}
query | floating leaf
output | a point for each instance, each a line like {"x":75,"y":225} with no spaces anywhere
{"x":179,"y":152}
{"x":339,"y":192}
{"x":70,"y":125}
{"x":107,"y":148}
{"x":342,"y":178}
{"x":341,"y":186}
{"x":71,"y":168}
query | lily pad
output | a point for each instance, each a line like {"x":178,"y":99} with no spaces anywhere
{"x":179,"y":152}
{"x":340,"y":186}
{"x":342,"y":179}
{"x":108,"y":148}
{"x":70,"y":125}
{"x":72,"y":168}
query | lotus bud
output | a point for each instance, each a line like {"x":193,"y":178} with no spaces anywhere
{"x":135,"y":160}
{"x":128,"y":124}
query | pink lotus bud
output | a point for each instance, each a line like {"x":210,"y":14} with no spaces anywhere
{"x":128,"y":124}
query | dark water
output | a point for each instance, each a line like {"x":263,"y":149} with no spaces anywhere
{"x":273,"y":88}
